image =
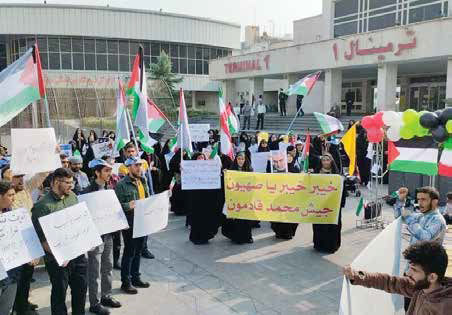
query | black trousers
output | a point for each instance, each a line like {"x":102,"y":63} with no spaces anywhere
{"x":74,"y":275}
{"x":23,"y":289}
{"x":131,"y":257}
{"x":116,"y":246}
{"x":246,"y":122}
{"x":260,"y":119}
{"x":282,"y":107}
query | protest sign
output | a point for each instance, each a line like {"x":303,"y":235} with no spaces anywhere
{"x":199,"y":132}
{"x":279,"y":161}
{"x":70,"y":232}
{"x":102,"y":147}
{"x":283,"y":146}
{"x":355,"y":299}
{"x":19,"y":243}
{"x":294,"y":198}
{"x":34,"y":151}
{"x":201,"y":174}
{"x":105,"y":210}
{"x":66,"y":149}
{"x":3,"y":274}
{"x":259,"y":161}
{"x":151,"y":214}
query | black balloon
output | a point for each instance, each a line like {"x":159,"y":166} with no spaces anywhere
{"x":440,"y":134}
{"x":446,"y":115}
{"x":438,"y":112}
{"x":429,"y":120}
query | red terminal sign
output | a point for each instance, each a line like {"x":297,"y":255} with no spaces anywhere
{"x":247,"y":65}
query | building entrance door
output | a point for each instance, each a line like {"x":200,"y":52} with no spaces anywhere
{"x":429,"y":97}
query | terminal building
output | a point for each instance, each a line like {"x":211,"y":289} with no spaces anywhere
{"x":384,"y":54}
{"x":84,"y":49}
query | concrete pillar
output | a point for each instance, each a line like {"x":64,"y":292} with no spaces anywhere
{"x":386,"y":87}
{"x":404,"y":94}
{"x":256,"y":88}
{"x":328,"y":15}
{"x":332,"y":89}
{"x":193,"y":100}
{"x":228,"y":87}
{"x":449,"y":82}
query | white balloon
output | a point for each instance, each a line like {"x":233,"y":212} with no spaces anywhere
{"x":393,"y":133}
{"x":391,"y":118}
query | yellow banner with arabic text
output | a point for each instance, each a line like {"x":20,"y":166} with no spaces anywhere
{"x":284,"y":197}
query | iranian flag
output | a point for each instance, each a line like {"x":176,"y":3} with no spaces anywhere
{"x":445,"y":162}
{"x":184,"y":138}
{"x":304,"y":86}
{"x":138,"y":89}
{"x":225,"y":133}
{"x":305,"y":153}
{"x":328,"y":124}
{"x":233,"y":121}
{"x":21,"y":84}
{"x":417,"y":155}
{"x":156,"y":118}
{"x":122,"y":126}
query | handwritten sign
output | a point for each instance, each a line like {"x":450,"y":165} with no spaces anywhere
{"x":102,"y":147}
{"x":296,"y":198}
{"x":201,"y":174}
{"x":151,"y":214}
{"x":199,"y":132}
{"x":105,"y":210}
{"x":33,"y":151}
{"x":70,"y":232}
{"x":66,"y":149}
{"x":259,"y":161}
{"x":19,"y":243}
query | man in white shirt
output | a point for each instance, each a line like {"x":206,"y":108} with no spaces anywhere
{"x":261,"y":110}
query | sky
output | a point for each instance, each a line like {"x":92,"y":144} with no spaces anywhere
{"x":274,"y":17}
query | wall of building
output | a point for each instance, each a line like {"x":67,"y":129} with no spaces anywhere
{"x":310,"y":30}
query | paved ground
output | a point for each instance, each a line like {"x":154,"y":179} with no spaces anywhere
{"x":267,"y":277}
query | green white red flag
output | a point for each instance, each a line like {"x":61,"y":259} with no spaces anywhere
{"x":225,"y":132}
{"x":183,"y":136}
{"x":305,"y":153}
{"x":445,"y":162}
{"x":122,"y":126}
{"x":21,"y":84}
{"x":328,"y":124}
{"x":233,"y":121}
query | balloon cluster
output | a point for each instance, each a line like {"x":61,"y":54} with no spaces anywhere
{"x":408,"y":124}
{"x":373,"y":125}
{"x":439,"y":123}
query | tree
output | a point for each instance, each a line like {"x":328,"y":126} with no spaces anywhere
{"x":162,"y":71}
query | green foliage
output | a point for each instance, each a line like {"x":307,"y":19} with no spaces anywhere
{"x":162,"y":71}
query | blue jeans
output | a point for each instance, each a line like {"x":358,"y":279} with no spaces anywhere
{"x":131,"y":257}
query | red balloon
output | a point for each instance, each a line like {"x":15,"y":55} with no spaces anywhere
{"x":375,"y":135}
{"x":367,"y":122}
{"x":378,"y":120}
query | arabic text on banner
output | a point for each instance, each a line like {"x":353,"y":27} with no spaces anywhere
{"x":105,"y":210}
{"x":151,"y":214}
{"x":201,"y":174}
{"x":70,"y":232}
{"x":19,"y":243}
{"x":283,"y":197}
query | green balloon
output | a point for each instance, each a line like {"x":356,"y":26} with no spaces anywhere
{"x":449,"y":126}
{"x":421,"y":131}
{"x":410,"y":116}
{"x":407,"y":133}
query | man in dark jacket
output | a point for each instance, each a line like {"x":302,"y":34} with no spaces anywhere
{"x":425,"y":282}
{"x":132,"y":187}
{"x":282,"y":102}
{"x":73,"y":272}
{"x":100,"y":259}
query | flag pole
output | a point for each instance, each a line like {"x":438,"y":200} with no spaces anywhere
{"x":133,"y":130}
{"x":293,"y":120}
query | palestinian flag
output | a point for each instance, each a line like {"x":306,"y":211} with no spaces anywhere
{"x":417,"y":155}
{"x":172,"y":144}
{"x":328,"y":124}
{"x":304,"y":86}
{"x":445,"y":162}
{"x":360,"y":207}
{"x":184,"y":138}
{"x":214,"y":151}
{"x":122,"y":126}
{"x":156,"y":118}
{"x":225,"y":133}
{"x":233,"y":120}
{"x":305,"y":154}
{"x":21,"y":84}
{"x":138,"y":89}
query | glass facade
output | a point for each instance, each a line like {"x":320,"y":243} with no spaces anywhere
{"x":77,"y":53}
{"x":358,"y":16}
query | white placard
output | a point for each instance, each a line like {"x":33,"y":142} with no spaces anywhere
{"x":3,"y":274}
{"x":259,"y":161}
{"x":70,"y":232}
{"x":105,"y":210}
{"x":355,"y":299}
{"x":19,"y":243}
{"x":102,"y":147}
{"x":201,"y":174}
{"x":199,"y":132}
{"x":168,"y":158}
{"x":151,"y":214}
{"x":33,"y":151}
{"x":283,"y":146}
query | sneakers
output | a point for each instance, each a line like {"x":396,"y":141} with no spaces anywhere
{"x":129,"y":289}
{"x":140,"y":284}
{"x":110,"y":302}
{"x":147,"y":254}
{"x":99,"y":309}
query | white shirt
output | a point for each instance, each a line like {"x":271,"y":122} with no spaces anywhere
{"x":261,"y":109}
